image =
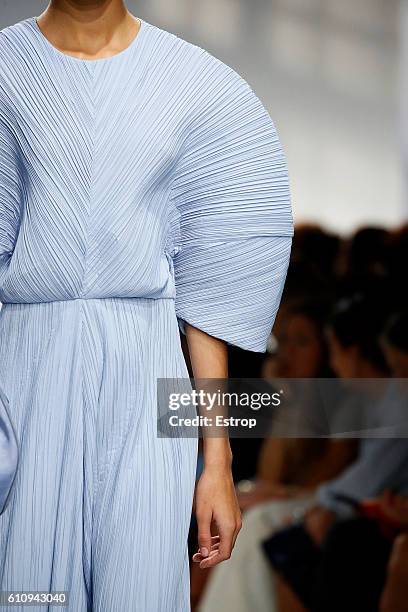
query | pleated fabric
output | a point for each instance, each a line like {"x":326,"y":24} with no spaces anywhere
{"x":231,"y":188}
{"x":100,"y":506}
{"x":137,"y":193}
{"x":8,"y":452}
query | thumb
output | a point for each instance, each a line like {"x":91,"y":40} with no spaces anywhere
{"x":204,"y":535}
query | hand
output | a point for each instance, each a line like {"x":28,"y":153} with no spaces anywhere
{"x":317,"y":522}
{"x":218,"y":516}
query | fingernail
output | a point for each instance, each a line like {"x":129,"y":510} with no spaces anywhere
{"x":204,"y":552}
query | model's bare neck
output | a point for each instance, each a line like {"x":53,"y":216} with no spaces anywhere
{"x":86,"y":11}
{"x":88,"y":27}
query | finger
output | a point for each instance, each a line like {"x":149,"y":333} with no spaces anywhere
{"x":199,"y":557}
{"x":204,"y":534}
{"x":211,"y":560}
{"x":224,"y":550}
{"x":215,"y":543}
{"x":215,"y":540}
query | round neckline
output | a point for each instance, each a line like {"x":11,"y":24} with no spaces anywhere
{"x":124,"y":51}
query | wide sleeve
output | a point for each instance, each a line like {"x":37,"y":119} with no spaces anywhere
{"x":231,"y":190}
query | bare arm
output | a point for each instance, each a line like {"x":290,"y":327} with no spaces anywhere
{"x":216,"y":504}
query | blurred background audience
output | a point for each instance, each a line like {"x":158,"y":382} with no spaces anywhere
{"x":308,"y":541}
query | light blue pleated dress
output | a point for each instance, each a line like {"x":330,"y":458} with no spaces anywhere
{"x":137,"y":192}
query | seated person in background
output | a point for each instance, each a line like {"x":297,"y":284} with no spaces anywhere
{"x":290,"y":466}
{"x":381,"y":462}
{"x":354,"y":548}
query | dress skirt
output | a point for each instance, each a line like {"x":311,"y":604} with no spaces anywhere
{"x":100,"y":505}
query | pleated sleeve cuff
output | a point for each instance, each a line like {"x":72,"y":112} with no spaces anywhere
{"x":235,"y":295}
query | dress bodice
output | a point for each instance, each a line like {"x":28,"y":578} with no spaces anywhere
{"x":153,"y":173}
